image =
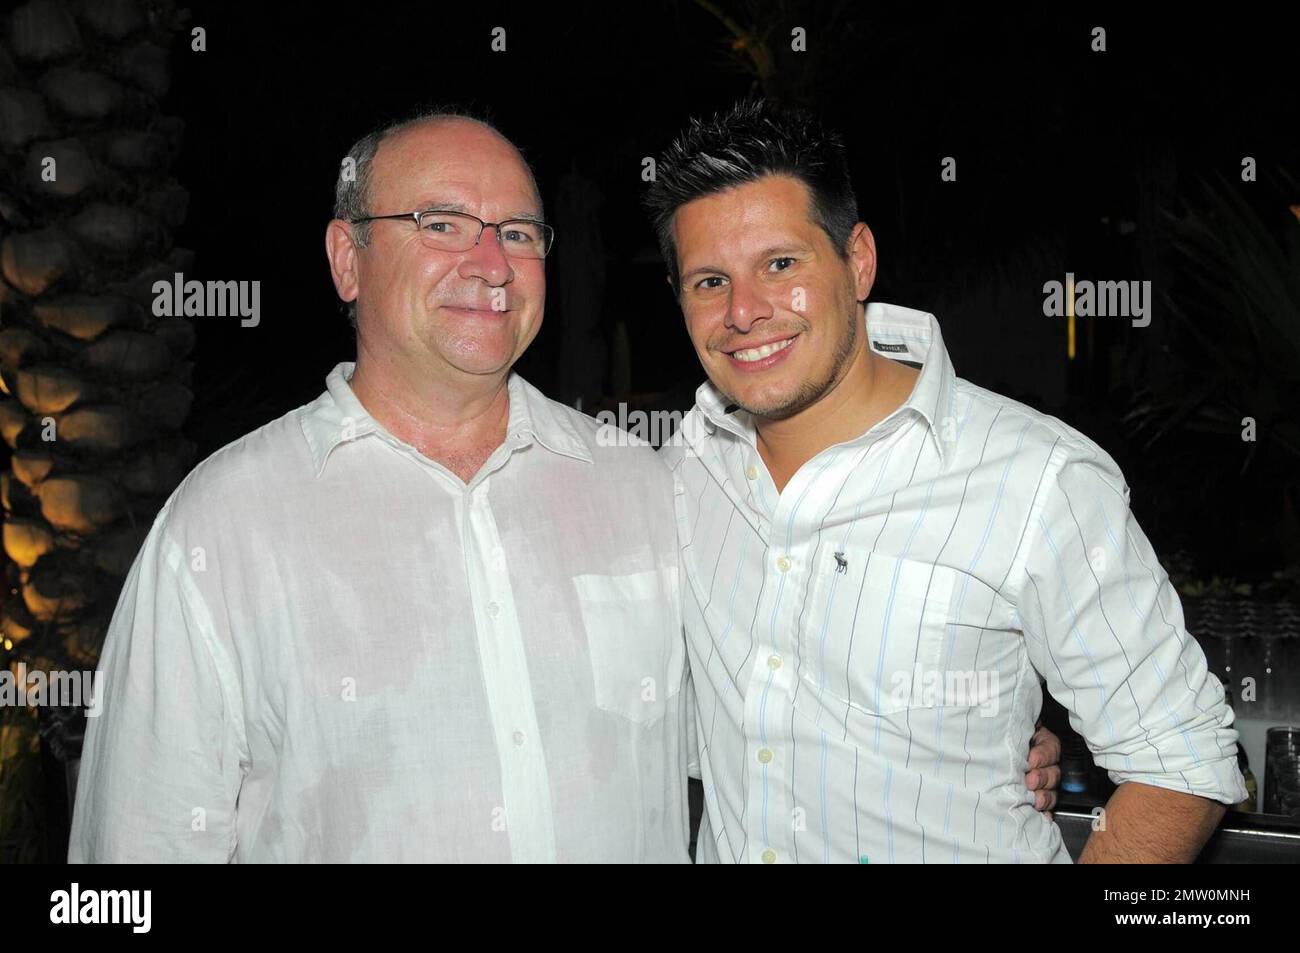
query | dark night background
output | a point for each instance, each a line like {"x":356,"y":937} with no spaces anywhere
{"x":1067,"y":160}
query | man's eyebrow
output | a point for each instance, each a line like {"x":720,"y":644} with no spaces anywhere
{"x":701,"y":270}
{"x":769,"y":252}
{"x":788,"y":248}
{"x":435,"y":205}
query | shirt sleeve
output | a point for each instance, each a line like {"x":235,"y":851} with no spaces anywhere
{"x":163,"y":759}
{"x":1104,"y":626}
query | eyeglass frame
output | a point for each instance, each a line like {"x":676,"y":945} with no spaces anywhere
{"x":549,"y":230}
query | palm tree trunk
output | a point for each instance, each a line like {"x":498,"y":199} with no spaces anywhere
{"x":95,"y":387}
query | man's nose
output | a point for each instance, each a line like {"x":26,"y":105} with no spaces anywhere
{"x":746,"y":307}
{"x":487,"y":260}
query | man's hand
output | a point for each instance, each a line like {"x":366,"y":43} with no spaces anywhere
{"x":1044,"y":772}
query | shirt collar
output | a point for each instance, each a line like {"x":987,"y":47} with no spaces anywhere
{"x":902,"y":334}
{"x":337,"y":417}
{"x":533,"y":414}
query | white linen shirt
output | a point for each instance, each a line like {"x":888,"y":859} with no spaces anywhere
{"x":332,"y":649}
{"x":866,"y":646}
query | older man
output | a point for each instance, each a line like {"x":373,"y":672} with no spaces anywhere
{"x":426,"y":617}
{"x":883,"y":558}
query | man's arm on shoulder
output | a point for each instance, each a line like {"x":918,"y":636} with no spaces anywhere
{"x":162,"y":761}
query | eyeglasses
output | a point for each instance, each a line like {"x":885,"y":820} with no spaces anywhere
{"x":458,"y":231}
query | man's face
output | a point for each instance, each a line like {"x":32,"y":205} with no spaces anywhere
{"x":770,"y":306}
{"x":471,"y":312}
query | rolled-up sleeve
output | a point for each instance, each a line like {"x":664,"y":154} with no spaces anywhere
{"x":1104,"y":627}
{"x":162,"y":761}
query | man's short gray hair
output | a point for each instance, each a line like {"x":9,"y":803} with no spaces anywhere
{"x":352,"y":190}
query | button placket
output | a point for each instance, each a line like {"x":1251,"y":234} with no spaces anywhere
{"x":525,"y":786}
{"x":787,"y":573}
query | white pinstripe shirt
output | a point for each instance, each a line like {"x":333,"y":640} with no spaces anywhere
{"x":866,"y":646}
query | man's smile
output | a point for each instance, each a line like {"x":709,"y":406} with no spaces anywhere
{"x":475,"y":312}
{"x":757,"y":357}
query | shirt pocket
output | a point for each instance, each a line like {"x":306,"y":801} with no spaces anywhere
{"x":634,"y":640}
{"x":875,"y":636}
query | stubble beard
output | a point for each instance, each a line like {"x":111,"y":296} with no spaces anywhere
{"x":809,"y":392}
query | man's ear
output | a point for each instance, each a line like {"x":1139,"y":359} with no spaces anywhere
{"x":862,"y":258}
{"x":341,"y":249}
{"x":673,"y":285}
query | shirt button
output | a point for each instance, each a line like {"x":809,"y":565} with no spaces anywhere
{"x":769,"y":857}
{"x":494,"y":610}
{"x":774,"y":661}
{"x":519,"y":738}
{"x":752,"y":472}
{"x":783,"y":564}
{"x":764,"y":755}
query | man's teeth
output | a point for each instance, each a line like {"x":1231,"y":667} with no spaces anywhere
{"x":758,"y":353}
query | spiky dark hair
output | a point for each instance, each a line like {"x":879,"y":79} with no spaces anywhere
{"x":753,"y":139}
